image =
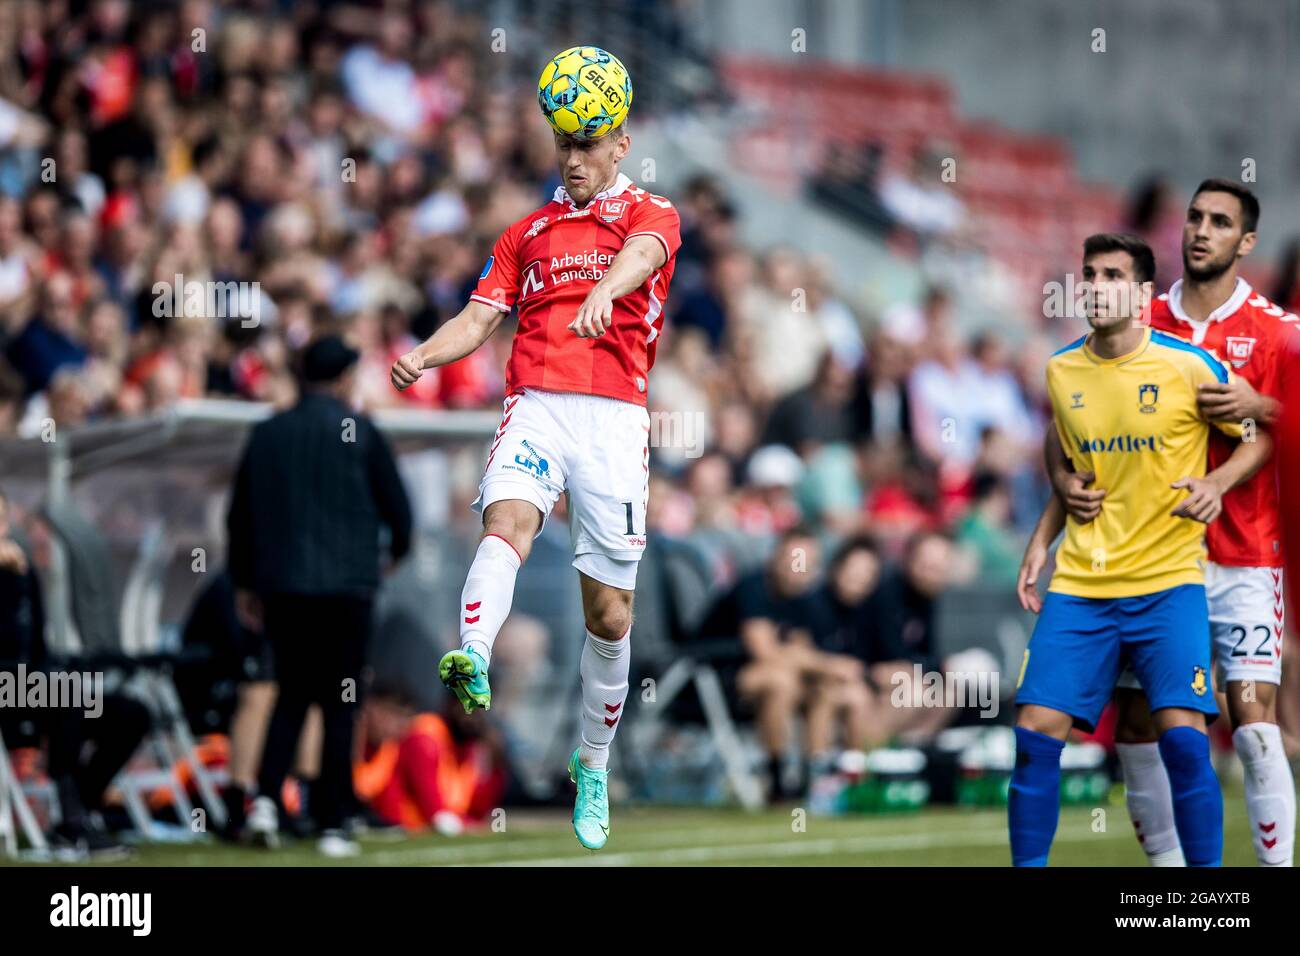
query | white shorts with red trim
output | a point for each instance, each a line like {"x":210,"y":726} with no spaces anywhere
{"x":1246,"y":622}
{"x":595,"y":449}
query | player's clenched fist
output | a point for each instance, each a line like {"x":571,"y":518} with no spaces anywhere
{"x":406,"y":371}
{"x":595,"y":315}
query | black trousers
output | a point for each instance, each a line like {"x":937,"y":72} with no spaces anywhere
{"x":79,"y":779}
{"x":319,"y":645}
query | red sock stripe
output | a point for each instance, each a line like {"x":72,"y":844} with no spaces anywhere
{"x":491,"y":534}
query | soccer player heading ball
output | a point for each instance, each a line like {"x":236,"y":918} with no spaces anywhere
{"x":588,"y":274}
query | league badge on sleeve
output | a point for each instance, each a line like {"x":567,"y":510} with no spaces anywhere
{"x":487,"y":267}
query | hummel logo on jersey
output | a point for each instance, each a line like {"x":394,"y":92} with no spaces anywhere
{"x":1076,"y":400}
{"x":536,"y":227}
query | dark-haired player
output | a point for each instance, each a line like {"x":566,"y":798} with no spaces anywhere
{"x":1129,"y":584}
{"x":1213,"y":307}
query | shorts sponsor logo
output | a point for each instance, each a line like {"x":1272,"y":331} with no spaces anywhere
{"x":534,"y":463}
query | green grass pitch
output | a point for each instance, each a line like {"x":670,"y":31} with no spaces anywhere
{"x":659,"y":836}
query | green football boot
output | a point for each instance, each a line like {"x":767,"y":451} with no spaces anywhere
{"x":591,"y":808}
{"x":466,"y":675}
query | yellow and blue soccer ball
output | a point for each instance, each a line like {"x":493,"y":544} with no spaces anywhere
{"x":584,"y":92}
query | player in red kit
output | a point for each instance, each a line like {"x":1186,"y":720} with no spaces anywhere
{"x":1214,"y":308}
{"x":588,"y":274}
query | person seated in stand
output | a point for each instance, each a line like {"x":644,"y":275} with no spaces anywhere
{"x":419,"y":770}
{"x":84,"y":753}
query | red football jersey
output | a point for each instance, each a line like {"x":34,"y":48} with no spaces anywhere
{"x":547,"y":262}
{"x":1252,"y":334}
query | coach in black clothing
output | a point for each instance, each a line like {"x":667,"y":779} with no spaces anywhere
{"x":316,"y":486}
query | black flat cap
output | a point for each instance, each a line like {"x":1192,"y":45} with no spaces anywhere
{"x":327,"y":358}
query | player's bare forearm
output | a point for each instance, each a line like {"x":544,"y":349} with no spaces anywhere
{"x":638,"y":258}
{"x":1054,"y":458}
{"x":1246,"y":459}
{"x":1071,"y":486}
{"x":1050,"y":523}
{"x":454,"y":339}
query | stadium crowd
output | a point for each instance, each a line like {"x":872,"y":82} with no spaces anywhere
{"x":344,"y":168}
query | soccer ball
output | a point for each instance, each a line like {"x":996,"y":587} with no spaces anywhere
{"x":584,"y":92}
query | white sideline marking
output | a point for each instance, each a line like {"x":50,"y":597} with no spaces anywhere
{"x":563,"y":839}
{"x":795,"y":847}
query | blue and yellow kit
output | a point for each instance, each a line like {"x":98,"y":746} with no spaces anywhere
{"x":1134,"y":423}
{"x":1129,"y":585}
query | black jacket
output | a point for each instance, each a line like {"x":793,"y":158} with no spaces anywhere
{"x":309,"y":503}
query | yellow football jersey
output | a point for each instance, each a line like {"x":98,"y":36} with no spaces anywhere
{"x":1134,"y":422}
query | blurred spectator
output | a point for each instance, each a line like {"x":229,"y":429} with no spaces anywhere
{"x":420,"y":770}
{"x":11,"y":399}
{"x":882,"y":407}
{"x":819,"y":413}
{"x":1155,"y":214}
{"x":767,"y":506}
{"x":920,"y":199}
{"x":909,"y":598}
{"x":856,"y":630}
{"x":778,"y":614}
{"x":51,"y":339}
{"x":984,"y":531}
{"x":779,"y":340}
{"x":87,"y":747}
{"x":1286,"y":282}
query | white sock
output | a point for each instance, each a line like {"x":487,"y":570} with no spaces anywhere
{"x":489,"y":590}
{"x":1270,"y":792}
{"x":604,"y":669}
{"x":1150,"y":803}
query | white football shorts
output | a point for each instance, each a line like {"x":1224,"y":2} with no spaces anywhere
{"x":594,"y":448}
{"x":1246,"y":624}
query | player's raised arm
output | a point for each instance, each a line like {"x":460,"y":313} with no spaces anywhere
{"x":639,"y":257}
{"x":454,"y":339}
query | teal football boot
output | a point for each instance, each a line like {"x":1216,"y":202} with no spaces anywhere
{"x":591,"y":808}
